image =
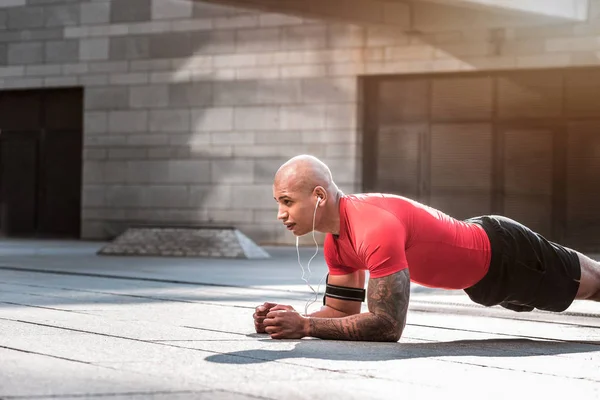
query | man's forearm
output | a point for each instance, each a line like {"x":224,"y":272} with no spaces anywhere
{"x":328,"y":312}
{"x":365,"y":326}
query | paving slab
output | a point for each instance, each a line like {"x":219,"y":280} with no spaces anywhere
{"x":25,"y":374}
{"x":77,"y":325}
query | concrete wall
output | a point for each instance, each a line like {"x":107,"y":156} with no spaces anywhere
{"x":191,"y":107}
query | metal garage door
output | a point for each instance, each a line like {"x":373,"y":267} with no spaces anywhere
{"x":525,"y":144}
{"x":41,"y":162}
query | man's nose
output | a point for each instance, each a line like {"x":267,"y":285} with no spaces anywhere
{"x":281,"y":214}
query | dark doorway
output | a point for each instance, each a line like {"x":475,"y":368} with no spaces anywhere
{"x":41,"y":162}
{"x":525,"y":144}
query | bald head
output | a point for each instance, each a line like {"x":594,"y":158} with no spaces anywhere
{"x":303,"y":185}
{"x":303,"y":173}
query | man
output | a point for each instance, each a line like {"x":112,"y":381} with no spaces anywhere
{"x":494,"y":259}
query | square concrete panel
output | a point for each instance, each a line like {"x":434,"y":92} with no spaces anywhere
{"x":125,"y":196}
{"x":96,"y":12}
{"x":190,"y":94}
{"x":25,"y":53}
{"x":171,"y":45}
{"x":236,"y":92}
{"x":95,"y":122}
{"x":12,"y":3}
{"x":106,"y":98}
{"x":62,"y":15}
{"x":189,"y":171}
{"x":210,"y":10}
{"x":265,"y":169}
{"x":280,"y":91}
{"x":213,"y":42}
{"x":93,"y":49}
{"x":256,"y":40}
{"x":3,"y":19}
{"x":305,"y":37}
{"x":343,"y":36}
{"x":169,"y":120}
{"x":256,"y":118}
{"x":130,"y":11}
{"x":303,"y":117}
{"x":212,"y":119}
{"x":93,"y":196}
{"x":93,"y":172}
{"x":128,"y":121}
{"x":211,"y":196}
{"x":25,"y":17}
{"x":171,"y":9}
{"x":140,"y":172}
{"x":329,"y":90}
{"x":58,"y":52}
{"x":3,"y":54}
{"x":232,"y":171}
{"x":253,"y":196}
{"x":129,"y":47}
{"x":151,"y":96}
{"x":166,"y":196}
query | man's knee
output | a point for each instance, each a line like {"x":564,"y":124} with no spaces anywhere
{"x":516,"y":307}
{"x":589,"y":283}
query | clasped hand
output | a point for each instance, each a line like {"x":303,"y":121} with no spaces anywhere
{"x":280,"y":321}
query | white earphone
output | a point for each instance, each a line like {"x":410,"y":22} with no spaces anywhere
{"x":304,"y":277}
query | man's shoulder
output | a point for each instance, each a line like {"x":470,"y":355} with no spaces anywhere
{"x":370,"y":214}
{"x":376,"y":201}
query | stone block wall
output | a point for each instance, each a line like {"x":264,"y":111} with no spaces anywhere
{"x":191,"y":107}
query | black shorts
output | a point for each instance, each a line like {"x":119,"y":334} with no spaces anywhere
{"x":526,"y":270}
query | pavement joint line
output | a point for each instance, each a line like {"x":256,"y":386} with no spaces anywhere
{"x":426,"y":326}
{"x":63,"y":359}
{"x":134,"y":278}
{"x":108,"y":394}
{"x":594,"y":343}
{"x":44,"y":308}
{"x":213,"y":330}
{"x":138,"y":296}
{"x":45,"y":355}
{"x":86,"y":395}
{"x":186,"y":348}
{"x":521,"y":370}
{"x":159,"y":299}
{"x":491,"y":314}
{"x":366,"y":375}
{"x":414,"y":303}
{"x":527,"y":352}
{"x":342,"y":372}
{"x":199,"y":340}
{"x":540,"y":312}
{"x":88,"y":362}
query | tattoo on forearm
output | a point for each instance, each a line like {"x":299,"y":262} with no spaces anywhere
{"x":388,"y":299}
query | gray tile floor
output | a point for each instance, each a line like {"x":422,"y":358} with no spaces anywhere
{"x":77,"y":325}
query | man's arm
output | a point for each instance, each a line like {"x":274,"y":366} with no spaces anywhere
{"x":336,"y":308}
{"x":388,"y":304}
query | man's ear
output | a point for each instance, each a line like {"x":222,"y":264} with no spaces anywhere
{"x":320,"y":193}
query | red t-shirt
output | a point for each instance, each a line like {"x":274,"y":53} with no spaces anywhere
{"x":385,"y":234}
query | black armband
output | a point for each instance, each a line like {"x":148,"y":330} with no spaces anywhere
{"x":343,"y":292}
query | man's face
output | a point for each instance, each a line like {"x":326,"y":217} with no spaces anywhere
{"x":296,"y":208}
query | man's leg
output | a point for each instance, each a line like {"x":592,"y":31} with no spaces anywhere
{"x":589,"y":285}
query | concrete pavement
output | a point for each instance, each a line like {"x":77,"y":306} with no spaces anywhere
{"x":77,"y":325}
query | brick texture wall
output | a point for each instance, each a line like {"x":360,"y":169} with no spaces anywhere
{"x":191,"y":107}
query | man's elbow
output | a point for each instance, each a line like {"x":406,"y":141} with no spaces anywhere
{"x":393,"y":330}
{"x":394,"y":335}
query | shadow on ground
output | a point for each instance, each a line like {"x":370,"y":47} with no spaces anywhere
{"x":368,"y":351}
